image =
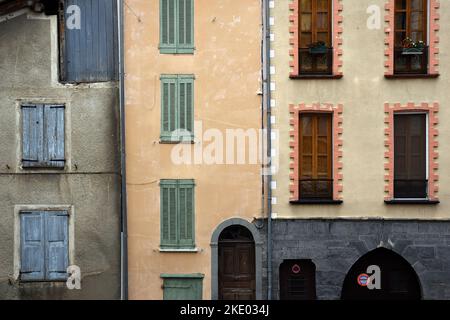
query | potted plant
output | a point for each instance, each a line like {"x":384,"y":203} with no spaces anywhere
{"x":318,"y":47}
{"x":411,"y":47}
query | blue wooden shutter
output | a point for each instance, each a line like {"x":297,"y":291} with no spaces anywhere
{"x":90,"y":54}
{"x":57,"y":245}
{"x":54,"y":133}
{"x":186,"y":212}
{"x":32,"y":135}
{"x":32,"y":246}
{"x":186,"y":104}
{"x":169,"y":101}
{"x":185,"y":26}
{"x":169,"y":232}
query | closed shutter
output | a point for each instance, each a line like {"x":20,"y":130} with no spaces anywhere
{"x":32,"y":240}
{"x":186,"y":213}
{"x":89,"y":53}
{"x":177,"y":214}
{"x":54,"y":133}
{"x":179,"y":288}
{"x":185,"y":23}
{"x":32,"y":135}
{"x":186,"y":104}
{"x":168,"y":24}
{"x":57,"y":245}
{"x":169,"y":233}
{"x":169,"y":102}
{"x":410,"y":180}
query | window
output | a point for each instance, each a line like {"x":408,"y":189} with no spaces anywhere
{"x":176,"y":26}
{"x":411,"y":49}
{"x":177,"y":108}
{"x":315,"y":44}
{"x":315,"y":156}
{"x":43,"y":136}
{"x":297,"y":280}
{"x":88,"y":41}
{"x":177,"y":214}
{"x":183,"y":287}
{"x":410,"y":173}
{"x":44,"y":253}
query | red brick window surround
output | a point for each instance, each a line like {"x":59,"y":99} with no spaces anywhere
{"x":336,"y":112}
{"x":336,"y":40}
{"x":431,"y":109}
{"x":430,"y":28}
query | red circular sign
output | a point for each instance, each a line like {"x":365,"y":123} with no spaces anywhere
{"x":296,"y":268}
{"x":363,"y":279}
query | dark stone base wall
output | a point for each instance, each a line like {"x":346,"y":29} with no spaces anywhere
{"x":335,"y":245}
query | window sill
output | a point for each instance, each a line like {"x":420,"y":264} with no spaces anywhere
{"x":411,"y":76}
{"x":178,"y":250}
{"x":411,"y":201}
{"x":334,"y":202}
{"x":316,"y":76}
{"x":176,"y":51}
{"x":163,"y":141}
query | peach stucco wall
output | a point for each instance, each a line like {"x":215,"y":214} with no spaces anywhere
{"x":226,"y":65}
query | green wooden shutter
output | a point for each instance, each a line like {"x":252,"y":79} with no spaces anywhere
{"x":168,"y":26}
{"x":169,"y":194}
{"x":54,"y":155}
{"x":185,"y":26}
{"x":32,"y":135}
{"x":176,"y":26}
{"x":186,"y":213}
{"x":169,"y":107}
{"x":183,"y":287}
{"x":186,"y":105}
{"x":32,"y":246}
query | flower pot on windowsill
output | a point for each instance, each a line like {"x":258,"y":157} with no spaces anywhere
{"x":318,"y":50}
{"x":408,"y":51}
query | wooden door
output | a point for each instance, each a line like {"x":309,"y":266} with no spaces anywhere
{"x":297,"y":280}
{"x":237,"y":267}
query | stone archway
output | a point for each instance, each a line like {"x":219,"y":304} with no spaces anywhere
{"x":398,"y":279}
{"x":215,"y":255}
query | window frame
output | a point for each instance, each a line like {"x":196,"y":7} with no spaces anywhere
{"x":426,"y":156}
{"x":425,"y":56}
{"x":176,"y":48}
{"x":304,"y":49}
{"x":178,"y":244}
{"x":21,"y":211}
{"x":168,"y":136}
{"x":314,"y":152}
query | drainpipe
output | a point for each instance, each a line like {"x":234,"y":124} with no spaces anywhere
{"x":266,"y":81}
{"x":123,"y":183}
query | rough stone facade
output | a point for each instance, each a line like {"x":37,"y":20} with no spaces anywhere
{"x":90,"y":181}
{"x":335,"y":245}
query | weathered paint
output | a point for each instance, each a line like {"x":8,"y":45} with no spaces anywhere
{"x":226,"y":64}
{"x":88,"y":186}
{"x":90,"y":52}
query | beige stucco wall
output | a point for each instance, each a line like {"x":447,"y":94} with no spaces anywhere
{"x":363,"y":91}
{"x":226,"y":65}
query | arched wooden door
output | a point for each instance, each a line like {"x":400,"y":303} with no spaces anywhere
{"x":398,"y":279}
{"x":236,"y":264}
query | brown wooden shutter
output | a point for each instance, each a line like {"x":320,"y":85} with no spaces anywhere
{"x":410,"y":156}
{"x":315,"y":156}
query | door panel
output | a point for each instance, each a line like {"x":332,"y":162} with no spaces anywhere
{"x":236,"y":270}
